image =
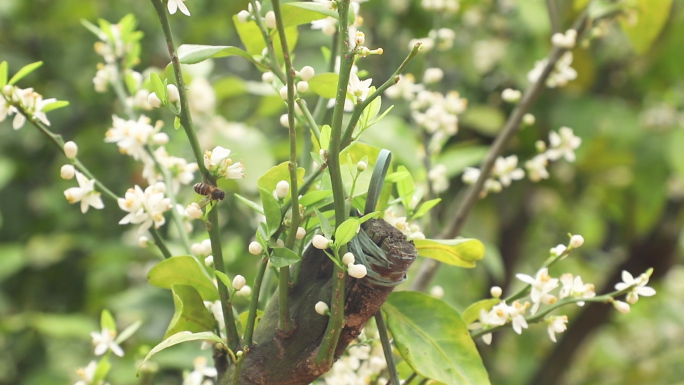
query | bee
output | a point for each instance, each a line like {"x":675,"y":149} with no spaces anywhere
{"x":209,"y":191}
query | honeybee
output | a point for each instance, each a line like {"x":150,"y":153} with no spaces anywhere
{"x":209,"y":191}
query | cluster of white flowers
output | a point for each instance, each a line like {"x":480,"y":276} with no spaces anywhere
{"x":218,"y":162}
{"x":132,"y":137}
{"x":31,"y":102}
{"x":329,"y":25}
{"x":561,"y":74}
{"x":182,"y":172}
{"x":505,"y":171}
{"x":499,"y":315}
{"x":438,"y":178}
{"x":412,"y":231}
{"x":360,"y":364}
{"x":442,"y":39}
{"x":565,"y":40}
{"x":145,"y":207}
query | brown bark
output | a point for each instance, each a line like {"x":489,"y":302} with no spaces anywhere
{"x":278,"y":359}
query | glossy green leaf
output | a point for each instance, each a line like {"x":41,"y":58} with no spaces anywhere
{"x":190,"y":313}
{"x":282,"y":257}
{"x":275,"y":174}
{"x":180,"y":338}
{"x":313,"y":197}
{"x":324,"y":85}
{"x":425,"y":208}
{"x":25,"y":70}
{"x":128,"y":332}
{"x":55,"y":105}
{"x":462,"y":252}
{"x":326,"y":228}
{"x":433,"y":339}
{"x":346,"y":231}
{"x":651,"y":18}
{"x":326,"y":131}
{"x":183,"y":270}
{"x":196,"y":53}
{"x":158,"y":86}
{"x":253,"y":205}
{"x":221,"y":276}
{"x":358,"y":151}
{"x":472,"y":312}
{"x":405,"y":188}
{"x":3,"y":74}
{"x":242,"y":320}
{"x":271,"y":210}
{"x":101,"y":370}
{"x":299,"y":13}
{"x":107,"y":320}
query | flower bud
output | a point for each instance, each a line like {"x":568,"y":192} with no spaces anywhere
{"x":70,"y":149}
{"x":270,"y":20}
{"x":496,"y":292}
{"x":302,"y":87}
{"x":283,"y":92}
{"x":361,"y":166}
{"x":239,"y":282}
{"x":143,"y":241}
{"x":173,"y":92}
{"x":360,"y":38}
{"x":320,"y":242}
{"x":196,"y":249}
{"x":540,"y":146}
{"x":433,"y":75}
{"x":7,"y":90}
{"x":194,"y":211}
{"x":154,"y":100}
{"x":209,"y":260}
{"x":306,"y":73}
{"x":348,"y":258}
{"x":301,"y":233}
{"x":205,"y":247}
{"x":529,"y":119}
{"x":284,"y":121}
{"x":558,"y":250}
{"x":437,"y":292}
{"x":357,"y":271}
{"x":321,"y":308}
{"x":576,"y":241}
{"x":511,"y":95}
{"x":268,"y":77}
{"x":622,"y":307}
{"x":67,"y":171}
{"x":282,"y":188}
{"x":159,"y":187}
{"x":255,"y":248}
{"x":160,"y":138}
{"x":246,"y":291}
{"x":280,"y":243}
{"x":243,"y":16}
{"x":632,"y":297}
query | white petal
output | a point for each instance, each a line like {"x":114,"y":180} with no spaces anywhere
{"x":646,"y":291}
{"x":627,"y":277}
{"x":173,"y":6}
{"x":183,"y":8}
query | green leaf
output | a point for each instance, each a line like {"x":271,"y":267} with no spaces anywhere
{"x":271,"y":211}
{"x":101,"y":371}
{"x":25,"y":70}
{"x":406,"y":187}
{"x":326,"y":131}
{"x":483,"y":119}
{"x":223,"y":278}
{"x":462,"y":252}
{"x":253,"y":40}
{"x":253,"y":205}
{"x":196,"y":53}
{"x":128,"y":332}
{"x":433,"y":339}
{"x":3,"y":74}
{"x":397,"y":176}
{"x":183,"y":270}
{"x":313,"y":197}
{"x":282,"y":257}
{"x":472,"y":312}
{"x":368,"y":216}
{"x":275,"y":174}
{"x":324,"y":85}
{"x":55,"y":105}
{"x":425,"y":207}
{"x":652,"y":16}
{"x":457,"y":159}
{"x":346,"y":231}
{"x":242,"y":319}
{"x":158,"y":87}
{"x":91,"y":27}
{"x":180,"y":338}
{"x":190,"y":313}
{"x":107,"y":321}
{"x":176,"y":123}
{"x":358,"y":151}
{"x":325,"y":224}
{"x":299,"y":13}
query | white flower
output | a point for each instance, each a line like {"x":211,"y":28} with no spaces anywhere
{"x":194,"y":211}
{"x":321,"y":307}
{"x":246,"y":291}
{"x":218,"y":161}
{"x":510,"y":95}
{"x":348,"y":258}
{"x":437,"y":292}
{"x":282,"y":189}
{"x":87,"y":374}
{"x":438,"y":177}
{"x":638,"y":286}
{"x":561,"y":74}
{"x":470,"y":175}
{"x":411,"y":231}
{"x":320,"y":242}
{"x":67,"y":171}
{"x":182,"y":172}
{"x":557,"y":251}
{"x":144,"y":208}
{"x":506,"y":169}
{"x":536,"y":168}
{"x":528,"y":119}
{"x":105,"y":341}
{"x":328,"y":25}
{"x":575,"y":288}
{"x":301,"y":233}
{"x":541,"y":284}
{"x":516,"y":312}
{"x":84,"y":193}
{"x":201,"y":370}
{"x":201,"y":96}
{"x":255,"y":248}
{"x":132,"y":136}
{"x":433,"y":75}
{"x":556,"y":325}
{"x":357,"y":271}
{"x":566,"y":40}
{"x":239,"y":282}
{"x":359,"y":89}
{"x":405,"y":88}
{"x":563,"y":144}
{"x":154,"y":100}
{"x":576,"y":241}
{"x":243,"y":16}
{"x":174,"y":5}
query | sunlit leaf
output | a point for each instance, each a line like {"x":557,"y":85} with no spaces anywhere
{"x":3,"y":74}
{"x":462,"y":252}
{"x":183,"y":270}
{"x":196,"y":53}
{"x":346,"y":231}
{"x":25,"y":70}
{"x":472,"y":312}
{"x":425,"y":208}
{"x":271,"y":210}
{"x":180,"y":338}
{"x":107,"y":320}
{"x":190,"y":313}
{"x":324,"y":85}
{"x":128,"y":332}
{"x":651,"y":18}
{"x":298,"y":13}
{"x":55,"y":105}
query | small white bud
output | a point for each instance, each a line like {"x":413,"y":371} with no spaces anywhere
{"x":268,"y":77}
{"x":196,"y":249}
{"x":302,"y":87}
{"x":243,"y":16}
{"x":160,"y":138}
{"x":173,"y":92}
{"x":622,"y":307}
{"x":576,"y":241}
{"x":632,"y":297}
{"x":255,"y":248}
{"x":143,"y":241}
{"x":159,"y":187}
{"x":301,"y":233}
{"x":280,"y":243}
{"x":321,"y":307}
{"x":154,"y":100}
{"x":206,"y":247}
{"x":496,"y":292}
{"x":7,"y":90}
{"x":540,"y":145}
{"x":284,"y":121}
{"x":270,"y":20}
{"x":239,"y":282}
{"x":283,"y":92}
{"x":558,"y":250}
{"x":246,"y":291}
{"x":510,"y":95}
{"x":360,"y":38}
{"x":282,"y":188}
{"x":433,"y":75}
{"x":348,"y":258}
{"x":209,"y":260}
{"x":67,"y":171}
{"x":306,"y":73}
{"x":320,"y":242}
{"x":70,"y":149}
{"x":357,"y":271}
{"x":361,"y":166}
{"x":437,"y":292}
{"x":194,"y":211}
{"x":529,"y":119}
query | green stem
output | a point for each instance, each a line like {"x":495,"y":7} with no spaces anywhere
{"x":326,"y":352}
{"x":160,"y":243}
{"x":410,"y":379}
{"x":121,"y":94}
{"x":358,"y":109}
{"x":254,"y":303}
{"x":185,"y":118}
{"x":224,"y":295}
{"x":387,"y":348}
{"x":238,"y":366}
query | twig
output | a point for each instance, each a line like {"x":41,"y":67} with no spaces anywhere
{"x":387,"y":348}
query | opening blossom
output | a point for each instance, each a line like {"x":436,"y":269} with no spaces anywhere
{"x":84,"y":193}
{"x":105,"y":341}
{"x":87,"y":374}
{"x":638,"y":286}
{"x":174,"y":5}
{"x":359,"y":88}
{"x":575,"y":288}
{"x":542,"y":284}
{"x":218,"y":161}
{"x":556,"y":325}
{"x":144,"y":207}
{"x":563,"y":144}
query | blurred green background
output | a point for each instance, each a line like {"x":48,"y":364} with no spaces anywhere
{"x":59,"y":268}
